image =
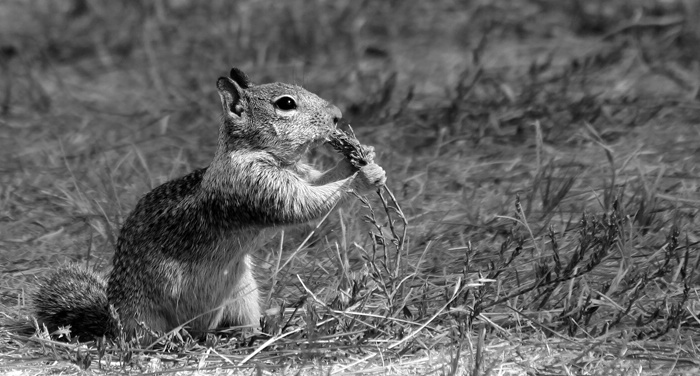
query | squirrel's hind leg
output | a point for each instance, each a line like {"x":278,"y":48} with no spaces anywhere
{"x":243,"y":308}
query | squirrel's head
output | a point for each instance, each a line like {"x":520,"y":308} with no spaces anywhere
{"x":278,"y":118}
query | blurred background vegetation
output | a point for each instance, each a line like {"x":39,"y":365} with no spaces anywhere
{"x":104,"y":100}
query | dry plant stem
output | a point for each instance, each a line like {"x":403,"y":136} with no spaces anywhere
{"x":347,"y":313}
{"x":306,"y":240}
{"x":336,"y":312}
{"x":273,"y":283}
{"x":398,"y":240}
{"x":347,"y":144}
{"x":479,"y":350}
{"x":273,"y":340}
{"x":389,"y":289}
{"x":455,"y":294}
{"x":225,"y":359}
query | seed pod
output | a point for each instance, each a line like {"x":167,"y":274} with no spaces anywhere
{"x":347,"y":144}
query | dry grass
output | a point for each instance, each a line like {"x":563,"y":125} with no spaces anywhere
{"x":545,"y":156}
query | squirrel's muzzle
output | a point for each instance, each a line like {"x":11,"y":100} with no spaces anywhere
{"x":335,"y":113}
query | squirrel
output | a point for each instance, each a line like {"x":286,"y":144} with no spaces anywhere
{"x":183,"y":255}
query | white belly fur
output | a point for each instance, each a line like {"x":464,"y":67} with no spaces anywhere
{"x":206,"y":288}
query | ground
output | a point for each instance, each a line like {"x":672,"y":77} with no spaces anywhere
{"x":543,"y":155}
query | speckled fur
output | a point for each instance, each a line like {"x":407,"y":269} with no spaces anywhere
{"x":76,"y":297}
{"x":184,"y":252}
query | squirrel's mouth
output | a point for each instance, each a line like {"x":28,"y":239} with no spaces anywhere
{"x":303,"y":149}
{"x":322,"y":138}
{"x":313,"y":144}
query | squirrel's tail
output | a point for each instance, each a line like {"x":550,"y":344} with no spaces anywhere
{"x":77,"y":297}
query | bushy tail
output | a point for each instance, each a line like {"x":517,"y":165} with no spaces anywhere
{"x":77,"y":297}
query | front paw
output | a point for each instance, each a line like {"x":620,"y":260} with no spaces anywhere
{"x":369,"y":178}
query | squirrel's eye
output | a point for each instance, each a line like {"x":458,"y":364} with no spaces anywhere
{"x":286,"y":103}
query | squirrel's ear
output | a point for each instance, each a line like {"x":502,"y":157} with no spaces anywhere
{"x":230,"y":94}
{"x":241,"y":78}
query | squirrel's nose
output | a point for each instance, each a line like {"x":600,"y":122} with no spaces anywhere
{"x":335,"y":113}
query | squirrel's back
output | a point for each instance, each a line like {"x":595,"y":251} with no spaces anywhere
{"x":180,"y":254}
